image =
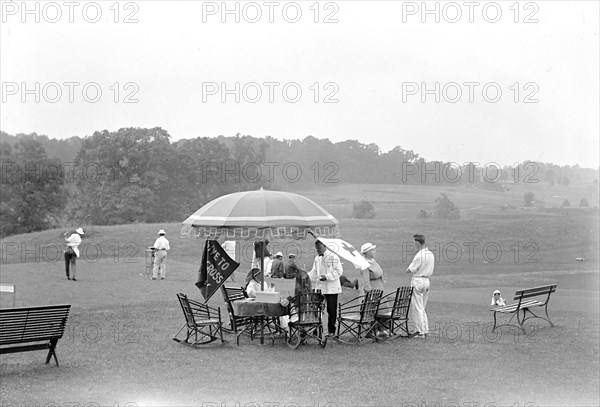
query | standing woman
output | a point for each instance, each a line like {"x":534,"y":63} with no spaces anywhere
{"x":372,"y":277}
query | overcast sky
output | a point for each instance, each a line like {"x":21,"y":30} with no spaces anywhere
{"x":378,"y":64}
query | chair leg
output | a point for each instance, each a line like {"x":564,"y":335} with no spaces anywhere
{"x":221,"y":331}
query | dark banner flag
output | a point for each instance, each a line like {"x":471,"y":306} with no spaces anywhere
{"x":216,"y":267}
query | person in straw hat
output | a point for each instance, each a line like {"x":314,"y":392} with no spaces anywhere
{"x":161,"y":245}
{"x":73,"y":240}
{"x":372,"y":278}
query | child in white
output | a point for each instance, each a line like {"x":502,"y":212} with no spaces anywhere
{"x":497,"y":300}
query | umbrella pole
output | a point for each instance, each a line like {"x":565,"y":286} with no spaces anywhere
{"x":262,"y":266}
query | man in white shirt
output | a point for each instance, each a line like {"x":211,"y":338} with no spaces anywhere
{"x":161,"y":245}
{"x":421,"y":269}
{"x":325,"y":276}
{"x":72,"y":252}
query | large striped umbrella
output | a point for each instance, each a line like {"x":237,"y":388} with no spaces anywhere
{"x":259,"y":215}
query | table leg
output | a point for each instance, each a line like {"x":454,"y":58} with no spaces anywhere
{"x":262,"y":328}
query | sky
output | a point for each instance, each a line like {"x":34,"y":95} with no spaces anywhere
{"x":488,"y":82}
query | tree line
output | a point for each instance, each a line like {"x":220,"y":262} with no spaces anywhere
{"x":141,"y":175}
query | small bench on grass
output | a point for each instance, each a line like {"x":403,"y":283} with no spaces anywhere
{"x":32,"y":328}
{"x":524,"y":305}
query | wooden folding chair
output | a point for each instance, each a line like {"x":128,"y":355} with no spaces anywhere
{"x":394,"y":316}
{"x":201,"y":321}
{"x":305,"y":319}
{"x":231,"y":294}
{"x":357,"y":317}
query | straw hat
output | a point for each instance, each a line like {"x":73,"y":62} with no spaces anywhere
{"x":367,"y":247}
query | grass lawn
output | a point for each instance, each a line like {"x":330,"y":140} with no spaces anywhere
{"x":118,"y":347}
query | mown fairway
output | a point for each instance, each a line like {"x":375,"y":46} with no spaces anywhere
{"x":118,"y":348}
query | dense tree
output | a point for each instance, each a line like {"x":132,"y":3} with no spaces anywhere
{"x":32,"y":194}
{"x":140,"y":175}
{"x":124,"y":177}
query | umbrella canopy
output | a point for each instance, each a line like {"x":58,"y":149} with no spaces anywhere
{"x":258,"y":215}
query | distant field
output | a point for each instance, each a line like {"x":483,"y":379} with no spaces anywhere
{"x":118,"y":345}
{"x":487,"y":239}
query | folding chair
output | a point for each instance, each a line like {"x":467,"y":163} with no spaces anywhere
{"x":394,"y":316}
{"x":357,"y":317}
{"x":201,"y":321}
{"x":305,"y":319}
{"x":231,"y":294}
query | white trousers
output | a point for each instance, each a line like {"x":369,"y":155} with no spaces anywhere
{"x":418,"y":316}
{"x":160,"y":262}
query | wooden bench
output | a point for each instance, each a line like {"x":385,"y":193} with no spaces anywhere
{"x":524,"y":305}
{"x":32,"y":328}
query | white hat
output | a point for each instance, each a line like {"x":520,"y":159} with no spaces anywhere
{"x":367,"y":247}
{"x":161,"y":232}
{"x":496,"y":292}
{"x":291,"y":255}
{"x":79,"y":231}
{"x":278,"y":254}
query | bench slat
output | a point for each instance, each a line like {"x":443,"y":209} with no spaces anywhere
{"x":32,"y":315}
{"x":30,"y":340}
{"x":25,"y":348}
{"x":513,"y":307}
{"x":536,"y":291}
{"x":39,"y":307}
{"x":23,"y":330}
{"x":34,"y":319}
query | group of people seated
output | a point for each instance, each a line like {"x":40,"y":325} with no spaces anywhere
{"x":278,"y":268}
{"x":326,"y":271}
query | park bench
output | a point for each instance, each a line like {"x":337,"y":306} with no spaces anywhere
{"x":32,"y":328}
{"x":524,"y":305}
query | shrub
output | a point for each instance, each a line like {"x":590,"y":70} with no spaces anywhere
{"x":445,"y":208}
{"x":566,"y":203}
{"x":584,"y":203}
{"x":363,"y":210}
{"x":529,"y":198}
